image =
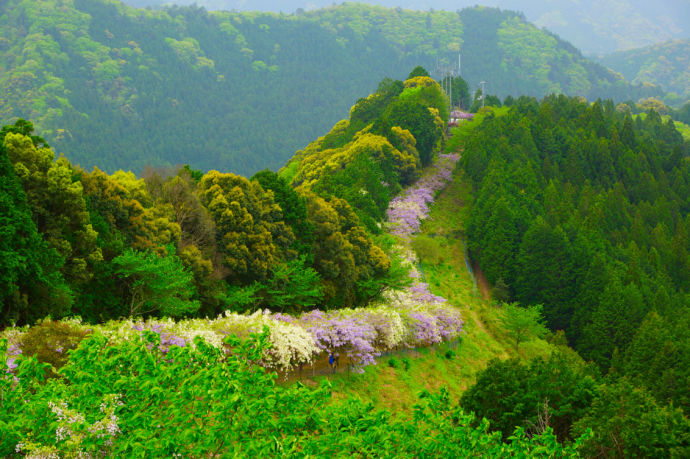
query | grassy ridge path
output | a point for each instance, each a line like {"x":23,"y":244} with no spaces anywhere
{"x":397,"y":379}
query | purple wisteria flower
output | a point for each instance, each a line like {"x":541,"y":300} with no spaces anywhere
{"x":425,"y":330}
{"x":12,"y":352}
{"x":407,"y":210}
{"x":460,"y":115}
{"x":167,"y":339}
{"x":339,"y":334}
{"x":430,"y":318}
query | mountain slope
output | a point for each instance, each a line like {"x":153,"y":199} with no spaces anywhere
{"x":593,"y":26}
{"x":242,"y":92}
{"x":666,"y":64}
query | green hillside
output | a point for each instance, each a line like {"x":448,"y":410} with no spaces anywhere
{"x":207,"y":299}
{"x":666,"y":64}
{"x":117,"y":87}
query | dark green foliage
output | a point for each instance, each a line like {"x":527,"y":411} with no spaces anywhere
{"x":416,"y":118}
{"x":418,"y":71}
{"x":545,"y":271}
{"x":460,"y":92}
{"x":658,"y":358}
{"x":628,"y":422}
{"x":547,"y":393}
{"x":294,"y":209}
{"x":575,"y":210}
{"x":31,"y":286}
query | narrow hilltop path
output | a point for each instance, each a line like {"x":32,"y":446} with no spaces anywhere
{"x":398,"y":378}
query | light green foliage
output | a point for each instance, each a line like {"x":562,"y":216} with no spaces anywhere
{"x":519,"y":38}
{"x":131,"y":399}
{"x":188,"y":51}
{"x":523,"y":323}
{"x":410,"y":31}
{"x":156,"y":284}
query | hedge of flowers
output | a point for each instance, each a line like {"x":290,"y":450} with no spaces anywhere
{"x":407,"y":210}
{"x":411,"y":317}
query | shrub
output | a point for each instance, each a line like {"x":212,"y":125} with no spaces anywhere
{"x":51,"y":341}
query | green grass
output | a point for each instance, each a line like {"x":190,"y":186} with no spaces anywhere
{"x":395,"y":386}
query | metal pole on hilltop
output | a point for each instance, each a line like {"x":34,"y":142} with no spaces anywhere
{"x":482,"y":84}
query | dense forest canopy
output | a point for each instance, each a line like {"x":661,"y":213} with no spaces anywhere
{"x":585,"y":211}
{"x":243,"y":91}
{"x":595,"y":27}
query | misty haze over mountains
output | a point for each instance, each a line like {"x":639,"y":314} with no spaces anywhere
{"x":595,"y":27}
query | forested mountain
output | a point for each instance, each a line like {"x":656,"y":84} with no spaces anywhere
{"x":665,"y":64}
{"x":119,"y":87}
{"x":595,"y":27}
{"x":585,"y":211}
{"x":219,"y":283}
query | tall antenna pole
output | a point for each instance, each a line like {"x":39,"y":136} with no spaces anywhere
{"x":482,"y":83}
{"x":450,"y":99}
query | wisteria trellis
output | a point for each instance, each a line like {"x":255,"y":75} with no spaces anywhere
{"x":411,"y":317}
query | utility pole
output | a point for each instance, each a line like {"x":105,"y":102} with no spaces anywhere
{"x":482,"y":83}
{"x":446,"y":73}
{"x":459,"y":64}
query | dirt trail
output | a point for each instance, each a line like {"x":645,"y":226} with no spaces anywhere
{"x":482,"y":283}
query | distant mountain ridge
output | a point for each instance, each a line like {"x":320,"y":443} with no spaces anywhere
{"x":666,"y":64}
{"x":593,"y":26}
{"x":119,"y":87}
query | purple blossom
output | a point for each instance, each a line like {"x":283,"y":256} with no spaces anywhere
{"x":460,"y":115}
{"x":448,"y":322}
{"x":353,"y":336}
{"x":167,"y":339}
{"x":12,"y":352}
{"x":281,"y":317}
{"x":425,"y":330}
{"x":407,"y":210}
